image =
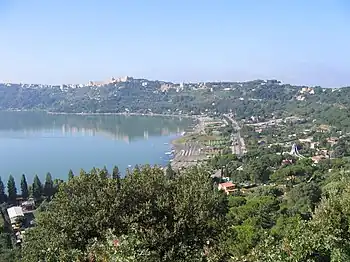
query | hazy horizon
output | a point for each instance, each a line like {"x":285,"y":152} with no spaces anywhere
{"x":73,"y":42}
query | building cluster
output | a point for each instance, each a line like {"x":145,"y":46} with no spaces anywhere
{"x":112,"y":80}
{"x":21,"y":217}
{"x":303,"y":92}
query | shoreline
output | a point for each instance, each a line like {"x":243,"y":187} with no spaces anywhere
{"x":120,"y":114}
{"x":184,"y":155}
{"x":189,"y":153}
{"x":106,"y":113}
{"x":176,"y":160}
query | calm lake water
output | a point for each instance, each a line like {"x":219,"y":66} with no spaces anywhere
{"x":37,"y":143}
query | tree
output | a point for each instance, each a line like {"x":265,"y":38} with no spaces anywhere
{"x":2,"y":192}
{"x":136,"y":170}
{"x":24,"y":187}
{"x":37,"y":187}
{"x":70,"y":174}
{"x":48,"y":186}
{"x":104,"y":172}
{"x":116,"y":175}
{"x":11,"y":189}
{"x":30,"y":189}
{"x":159,"y":219}
{"x":169,"y":172}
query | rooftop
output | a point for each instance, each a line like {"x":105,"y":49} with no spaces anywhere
{"x":15,"y":212}
{"x":227,"y":184}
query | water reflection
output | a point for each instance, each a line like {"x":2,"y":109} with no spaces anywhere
{"x":117,"y":127}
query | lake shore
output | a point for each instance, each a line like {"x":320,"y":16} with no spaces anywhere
{"x":122,"y":114}
{"x":188,"y":153}
{"x":185,"y":153}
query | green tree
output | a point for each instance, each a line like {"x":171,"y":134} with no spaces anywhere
{"x":70,"y":174}
{"x":11,"y":188}
{"x":303,"y":198}
{"x":116,"y":176}
{"x":159,"y":219}
{"x":30,"y":190}
{"x":48,"y":186}
{"x":115,"y":173}
{"x":56,"y":184}
{"x":104,"y":172}
{"x":169,"y":172}
{"x":2,"y":192}
{"x":24,"y":187}
{"x":37,"y":187}
{"x":136,"y":170}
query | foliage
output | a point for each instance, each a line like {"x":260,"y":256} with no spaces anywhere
{"x":284,"y":209}
{"x":173,"y":220}
{"x":3,"y":196}
{"x":70,"y":174}
{"x":24,"y":187}
{"x":11,"y":188}
{"x":37,"y":187}
{"x":48,"y":186}
{"x":169,"y":172}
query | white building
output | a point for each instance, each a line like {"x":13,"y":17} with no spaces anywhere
{"x":14,"y":213}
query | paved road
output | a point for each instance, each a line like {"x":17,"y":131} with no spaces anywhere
{"x":238,"y":146}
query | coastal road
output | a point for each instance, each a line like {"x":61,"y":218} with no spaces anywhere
{"x":238,"y":145}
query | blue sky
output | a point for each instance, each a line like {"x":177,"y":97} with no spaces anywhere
{"x":74,"y":41}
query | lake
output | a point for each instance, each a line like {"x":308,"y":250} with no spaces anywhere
{"x":36,"y":143}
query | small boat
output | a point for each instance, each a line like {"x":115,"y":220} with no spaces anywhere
{"x":168,"y":153}
{"x":166,"y":143}
{"x":129,"y":165}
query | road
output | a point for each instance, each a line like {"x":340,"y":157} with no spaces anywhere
{"x":238,"y":145}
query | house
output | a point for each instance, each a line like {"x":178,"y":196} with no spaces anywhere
{"x":332,"y":140}
{"x":317,"y":159}
{"x":228,"y":187}
{"x":300,"y":98}
{"x":15,"y":213}
{"x":28,"y":205}
{"x":240,"y":168}
{"x":323,"y":128}
{"x":306,"y":140}
{"x":287,"y":161}
{"x":313,"y":145}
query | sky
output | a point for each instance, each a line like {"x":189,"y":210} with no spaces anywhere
{"x":74,"y":41}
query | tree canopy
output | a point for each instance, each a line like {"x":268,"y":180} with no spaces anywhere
{"x":175,"y":220}
{"x":24,"y":187}
{"x":11,"y":189}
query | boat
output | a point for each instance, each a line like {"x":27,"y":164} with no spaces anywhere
{"x":166,"y":143}
{"x":168,"y":153}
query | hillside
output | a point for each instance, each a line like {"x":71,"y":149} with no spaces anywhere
{"x":259,"y":98}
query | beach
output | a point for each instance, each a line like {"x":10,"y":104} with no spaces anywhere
{"x":188,"y":150}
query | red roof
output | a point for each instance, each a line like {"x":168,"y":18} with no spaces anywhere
{"x":227,"y":184}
